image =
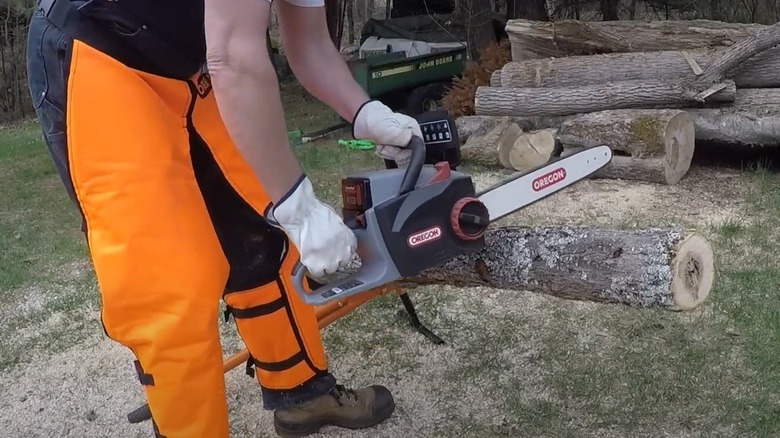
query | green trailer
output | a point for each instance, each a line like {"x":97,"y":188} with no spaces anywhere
{"x":412,"y":85}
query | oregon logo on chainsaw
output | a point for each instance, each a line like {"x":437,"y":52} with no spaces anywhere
{"x":424,"y":236}
{"x":549,"y":179}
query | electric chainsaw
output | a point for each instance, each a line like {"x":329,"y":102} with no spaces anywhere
{"x":409,"y":220}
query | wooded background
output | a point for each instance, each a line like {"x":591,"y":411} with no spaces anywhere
{"x":15,"y":102}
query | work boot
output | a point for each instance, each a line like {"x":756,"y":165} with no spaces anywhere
{"x":353,"y":409}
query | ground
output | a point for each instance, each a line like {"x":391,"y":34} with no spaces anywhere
{"x":514,"y":363}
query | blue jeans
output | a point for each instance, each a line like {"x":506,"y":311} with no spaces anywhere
{"x":47,"y":67}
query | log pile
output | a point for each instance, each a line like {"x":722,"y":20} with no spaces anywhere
{"x":652,"y":91}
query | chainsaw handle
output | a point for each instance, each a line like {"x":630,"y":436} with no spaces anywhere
{"x":352,"y":285}
{"x":416,"y":162}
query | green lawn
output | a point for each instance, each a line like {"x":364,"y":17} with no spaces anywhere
{"x":512,"y":367}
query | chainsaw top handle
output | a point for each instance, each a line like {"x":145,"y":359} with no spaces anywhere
{"x":416,"y":162}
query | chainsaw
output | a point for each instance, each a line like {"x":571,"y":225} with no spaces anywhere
{"x":420,"y":217}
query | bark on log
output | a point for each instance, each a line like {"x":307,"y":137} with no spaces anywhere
{"x":538,"y":39}
{"x":752,"y":120}
{"x":760,"y":71}
{"x":655,"y":268}
{"x":495,"y":78}
{"x":651,"y":145}
{"x":541,"y":102}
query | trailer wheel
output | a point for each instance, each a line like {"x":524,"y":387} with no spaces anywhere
{"x":425,"y":98}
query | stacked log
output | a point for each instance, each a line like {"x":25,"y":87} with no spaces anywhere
{"x":652,"y":91}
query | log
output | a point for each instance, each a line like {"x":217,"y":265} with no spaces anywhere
{"x":531,"y":150}
{"x":542,"y":102}
{"x":760,"y":71}
{"x":531,"y":39}
{"x":752,"y":120}
{"x":655,"y":268}
{"x":490,"y":141}
{"x":495,"y":78}
{"x":651,"y":145}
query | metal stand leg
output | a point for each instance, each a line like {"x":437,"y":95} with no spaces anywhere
{"x":415,"y":321}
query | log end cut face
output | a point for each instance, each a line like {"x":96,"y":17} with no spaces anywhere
{"x":679,"y":144}
{"x":693,"y":272}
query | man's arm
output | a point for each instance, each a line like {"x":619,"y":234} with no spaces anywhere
{"x":315,"y":61}
{"x":247,"y":91}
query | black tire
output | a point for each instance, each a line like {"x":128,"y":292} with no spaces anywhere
{"x":425,"y":98}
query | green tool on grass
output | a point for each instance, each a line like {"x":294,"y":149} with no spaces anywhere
{"x":358,"y":144}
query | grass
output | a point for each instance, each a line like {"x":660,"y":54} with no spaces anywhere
{"x":514,"y":365}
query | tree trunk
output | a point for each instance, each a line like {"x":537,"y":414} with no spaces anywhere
{"x":656,"y":268}
{"x":479,"y":24}
{"x":531,"y":102}
{"x":760,"y":71}
{"x":539,"y":39}
{"x":529,"y":9}
{"x":609,"y":10}
{"x":334,"y":17}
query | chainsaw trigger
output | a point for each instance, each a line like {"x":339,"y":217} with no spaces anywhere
{"x":442,"y":172}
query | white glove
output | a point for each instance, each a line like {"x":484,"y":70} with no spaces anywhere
{"x":323,"y":241}
{"x":391,"y":131}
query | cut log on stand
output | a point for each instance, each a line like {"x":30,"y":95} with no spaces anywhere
{"x":656,"y":268}
{"x":486,"y":144}
{"x":531,"y":39}
{"x":541,"y":102}
{"x":648,"y":145}
{"x":761,"y":71}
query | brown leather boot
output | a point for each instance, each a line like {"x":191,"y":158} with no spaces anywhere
{"x":353,"y":409}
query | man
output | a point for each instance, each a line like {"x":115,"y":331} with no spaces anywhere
{"x":191,"y":194}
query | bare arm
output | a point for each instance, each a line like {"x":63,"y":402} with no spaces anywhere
{"x":247,"y":91}
{"x":314,"y":59}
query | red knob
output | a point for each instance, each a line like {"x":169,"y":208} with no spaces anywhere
{"x":469,"y":218}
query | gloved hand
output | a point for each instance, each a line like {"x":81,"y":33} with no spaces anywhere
{"x":391,"y":131}
{"x":323,"y":241}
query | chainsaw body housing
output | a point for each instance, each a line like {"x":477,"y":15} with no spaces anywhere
{"x":414,"y":231}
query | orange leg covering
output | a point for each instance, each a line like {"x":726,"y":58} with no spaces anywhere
{"x":170,"y":232}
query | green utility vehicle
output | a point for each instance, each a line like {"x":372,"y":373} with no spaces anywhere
{"x":413,"y":84}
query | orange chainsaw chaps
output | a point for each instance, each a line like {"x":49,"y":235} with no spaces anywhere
{"x":158,"y":262}
{"x":280,"y":332}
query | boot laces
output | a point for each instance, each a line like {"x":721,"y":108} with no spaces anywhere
{"x":340,"y":391}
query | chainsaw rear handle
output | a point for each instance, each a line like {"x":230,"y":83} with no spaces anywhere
{"x":416,"y":162}
{"x":368,"y":276}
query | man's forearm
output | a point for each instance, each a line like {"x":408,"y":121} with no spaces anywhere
{"x":248,"y":97}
